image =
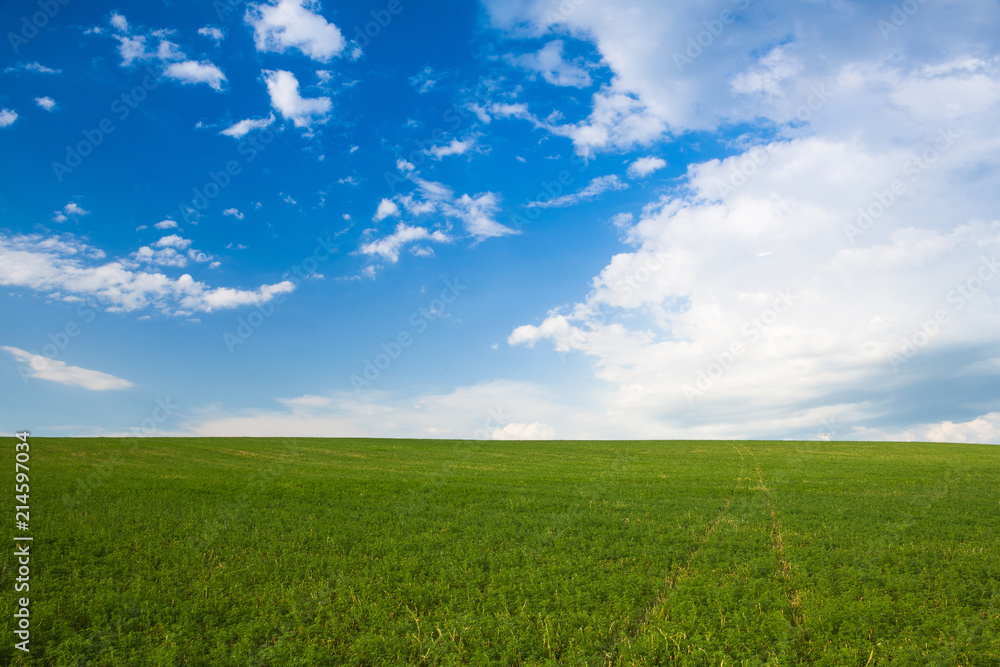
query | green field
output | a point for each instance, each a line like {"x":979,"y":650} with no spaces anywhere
{"x":385,"y":552}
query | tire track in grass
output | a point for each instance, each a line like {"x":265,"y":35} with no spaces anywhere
{"x":684,"y":570}
{"x":792,"y":593}
{"x":676,"y":574}
{"x":727,"y":606}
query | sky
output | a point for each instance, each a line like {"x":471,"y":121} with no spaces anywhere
{"x":514,"y":219}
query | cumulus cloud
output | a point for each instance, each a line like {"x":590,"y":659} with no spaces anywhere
{"x":71,"y":209}
{"x":386,"y":208}
{"x":294,"y":24}
{"x":132,"y":49}
{"x":234,"y":212}
{"x":211,"y":32}
{"x":7,"y":117}
{"x":46,"y":103}
{"x":244,"y":127}
{"x":64,"y":267}
{"x":683,"y":326}
{"x":166,"y":224}
{"x":118,"y":22}
{"x":44,"y":368}
{"x":190,"y":71}
{"x":645,"y":166}
{"x":173,"y":241}
{"x":389,"y":247}
{"x":455,"y":147}
{"x":749,"y":331}
{"x":554,"y":69}
{"x":283,"y":88}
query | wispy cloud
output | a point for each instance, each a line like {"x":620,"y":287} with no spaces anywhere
{"x":43,"y":368}
{"x":594,"y":189}
{"x":244,"y":127}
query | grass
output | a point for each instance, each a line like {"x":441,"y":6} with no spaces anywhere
{"x":383,"y":552}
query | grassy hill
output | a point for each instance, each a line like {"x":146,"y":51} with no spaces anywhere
{"x":383,"y":552}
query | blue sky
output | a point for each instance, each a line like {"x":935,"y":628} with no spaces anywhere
{"x":514,"y":219}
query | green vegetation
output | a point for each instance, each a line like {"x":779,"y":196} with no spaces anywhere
{"x":386,"y":552}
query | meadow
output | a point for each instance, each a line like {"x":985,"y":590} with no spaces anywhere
{"x":242,"y":551}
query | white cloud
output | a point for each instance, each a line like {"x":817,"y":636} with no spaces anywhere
{"x":234,"y":212}
{"x":173,"y":241}
{"x":32,"y":67}
{"x":466,"y":412}
{"x":118,"y":22}
{"x":853,"y":112}
{"x":71,"y":209}
{"x":424,"y":81}
{"x":772,"y":71}
{"x":191,"y":71}
{"x":550,"y":64}
{"x":167,"y":51}
{"x":388,"y":247}
{"x":456,"y":147}
{"x":7,"y":117}
{"x":166,"y":224}
{"x":211,"y":32}
{"x":618,"y":121}
{"x":519,"y":431}
{"x":709,"y":270}
{"x":476,"y":213}
{"x":386,"y":208}
{"x":46,"y":103}
{"x":64,"y":268}
{"x":132,"y":49}
{"x":592,"y":190}
{"x":43,"y":368}
{"x":158,"y":257}
{"x":645,"y":166}
{"x":244,"y":127}
{"x":287,"y":24}
{"x":283,"y":88}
